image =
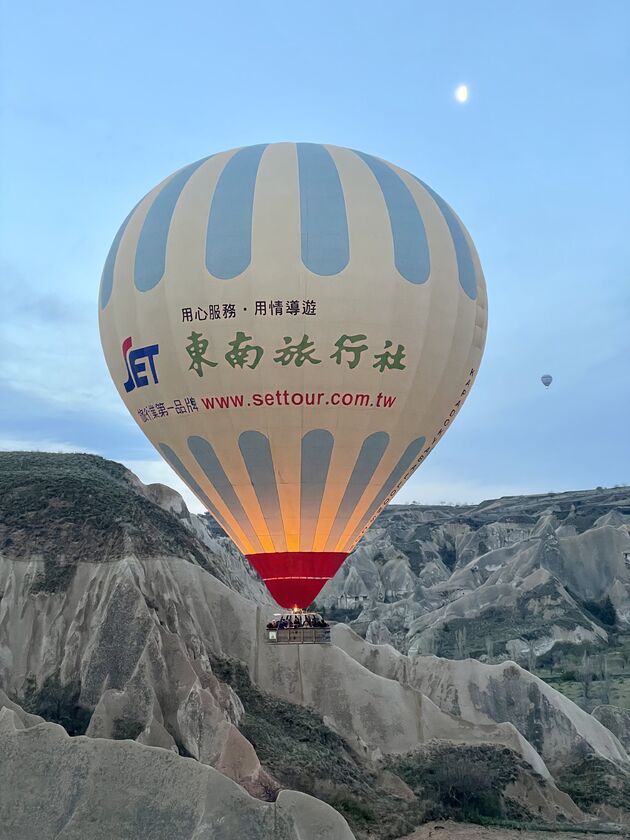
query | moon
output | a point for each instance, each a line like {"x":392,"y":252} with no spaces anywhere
{"x":461,"y":93}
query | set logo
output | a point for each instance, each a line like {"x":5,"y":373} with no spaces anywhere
{"x":136,"y":362}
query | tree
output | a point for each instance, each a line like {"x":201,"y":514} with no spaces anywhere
{"x":461,"y":645}
{"x":531,"y":659}
{"x":586,"y":678}
{"x":605,"y":685}
{"x":428,"y":646}
{"x":490,"y":647}
{"x":468,"y":789}
{"x":557,"y":657}
{"x":608,"y":614}
{"x":603,"y":610}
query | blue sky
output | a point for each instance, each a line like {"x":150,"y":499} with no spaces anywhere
{"x":101,"y":101}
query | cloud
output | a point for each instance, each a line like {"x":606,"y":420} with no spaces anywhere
{"x":458,"y":492}
{"x":40,"y":445}
{"x":50,"y":348}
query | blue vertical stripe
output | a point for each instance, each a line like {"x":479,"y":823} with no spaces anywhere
{"x":465,"y":265}
{"x":406,"y":460}
{"x":411,"y":249}
{"x":151,"y":251}
{"x":187,"y":478}
{"x":367,"y":461}
{"x":317,"y":447}
{"x":323,"y":222}
{"x":229,"y":237}
{"x":107,"y":279}
{"x":207,"y":459}
{"x":256,"y":453}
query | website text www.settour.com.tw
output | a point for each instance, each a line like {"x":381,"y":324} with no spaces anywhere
{"x":298,"y":398}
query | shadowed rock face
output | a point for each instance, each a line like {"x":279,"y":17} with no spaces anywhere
{"x":149,"y":646}
{"x":538,"y":568}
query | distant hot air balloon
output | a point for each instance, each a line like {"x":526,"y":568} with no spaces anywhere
{"x":546,"y":380}
{"x":294,"y":327}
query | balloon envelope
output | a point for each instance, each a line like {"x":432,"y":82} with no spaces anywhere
{"x":546,"y":380}
{"x":294,"y":327}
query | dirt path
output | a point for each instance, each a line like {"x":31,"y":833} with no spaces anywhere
{"x":460,"y":831}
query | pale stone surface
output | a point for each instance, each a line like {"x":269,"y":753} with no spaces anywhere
{"x":378,"y":700}
{"x":166,"y":498}
{"x":310,"y":818}
{"x":104,"y":630}
{"x":25,"y":718}
{"x":83,"y":787}
{"x":169,"y":689}
{"x":377,"y":714}
{"x":136,"y":668}
{"x":480,"y":693}
{"x":378,"y":634}
{"x":546,"y":803}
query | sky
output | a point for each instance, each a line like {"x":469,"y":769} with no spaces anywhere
{"x":100,"y":102}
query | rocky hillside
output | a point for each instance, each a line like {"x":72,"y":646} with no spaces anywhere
{"x":73,"y":509}
{"x":513,"y":577}
{"x":87,"y":789}
{"x":136,"y":686}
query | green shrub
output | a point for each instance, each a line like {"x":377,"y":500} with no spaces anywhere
{"x":593,"y":780}
{"x":354,"y":810}
{"x":569,"y":676}
{"x":459,"y":781}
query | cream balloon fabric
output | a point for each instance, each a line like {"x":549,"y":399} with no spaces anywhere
{"x":294,"y":327}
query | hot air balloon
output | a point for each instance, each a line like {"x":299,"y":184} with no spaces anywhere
{"x":294,"y":327}
{"x":546,"y":380}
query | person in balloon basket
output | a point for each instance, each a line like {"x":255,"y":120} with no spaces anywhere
{"x":296,"y":622}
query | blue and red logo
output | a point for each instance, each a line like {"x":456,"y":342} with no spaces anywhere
{"x":136,"y":362}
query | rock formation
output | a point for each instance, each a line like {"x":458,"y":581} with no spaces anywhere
{"x":79,"y":788}
{"x":560,"y":731}
{"x":126,"y":619}
{"x":522,"y":574}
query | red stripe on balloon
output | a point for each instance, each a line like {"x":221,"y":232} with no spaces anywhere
{"x":295,"y":578}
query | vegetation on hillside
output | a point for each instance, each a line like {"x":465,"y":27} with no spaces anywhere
{"x":76,"y":507}
{"x":295,"y":746}
{"x":463,"y":781}
{"x":593,"y":781}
